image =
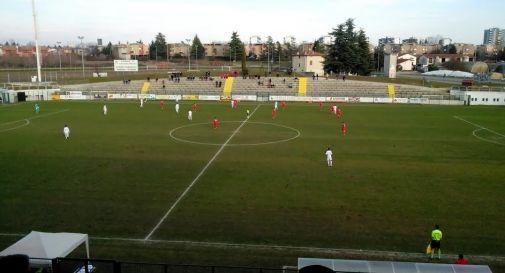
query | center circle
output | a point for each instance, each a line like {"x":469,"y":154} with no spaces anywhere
{"x":293,"y":133}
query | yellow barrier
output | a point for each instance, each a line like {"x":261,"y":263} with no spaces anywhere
{"x":228,"y":85}
{"x":145,"y":87}
{"x":302,"y":87}
{"x":391,"y":90}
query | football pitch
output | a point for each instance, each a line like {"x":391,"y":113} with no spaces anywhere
{"x":150,"y":174}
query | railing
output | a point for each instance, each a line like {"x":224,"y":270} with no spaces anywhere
{"x":479,"y":88}
{"x":69,"y":265}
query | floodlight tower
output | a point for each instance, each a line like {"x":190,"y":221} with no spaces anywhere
{"x":37,"y":51}
{"x":189,"y":53}
{"x":82,"y":53}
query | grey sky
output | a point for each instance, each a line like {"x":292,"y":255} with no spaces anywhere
{"x":214,"y":20}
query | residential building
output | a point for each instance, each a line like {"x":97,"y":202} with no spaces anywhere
{"x":255,"y":49}
{"x":411,"y":48}
{"x":178,"y":49}
{"x":429,"y":59}
{"x":465,"y":49}
{"x":138,"y":50}
{"x":494,"y":36}
{"x":406,"y":62}
{"x":24,"y":51}
{"x":216,"y":49}
{"x":488,"y":49}
{"x":121,"y":52}
{"x":309,"y":62}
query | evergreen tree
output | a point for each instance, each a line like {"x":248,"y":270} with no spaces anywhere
{"x":349,"y":52}
{"x":291,"y":48}
{"x":107,"y":50}
{"x":365,"y":64}
{"x":334,"y":61}
{"x":235,"y":47}
{"x":318,"y":46}
{"x":269,"y":51}
{"x":197,"y":49}
{"x":158,"y":47}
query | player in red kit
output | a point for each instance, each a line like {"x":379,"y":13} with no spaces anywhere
{"x":215,"y":122}
{"x":283,"y":105}
{"x":162,"y":104}
{"x":333,"y":109}
{"x":320,"y":106}
{"x":339,"y":112}
{"x":194,"y":106}
{"x":343,"y":128}
{"x":274,"y":113}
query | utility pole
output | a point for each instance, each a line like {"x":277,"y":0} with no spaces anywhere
{"x":82,"y":53}
{"x":189,"y":54}
{"x":59,"y":53}
{"x":37,"y":51}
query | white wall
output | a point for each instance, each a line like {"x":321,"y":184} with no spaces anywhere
{"x":486,"y":98}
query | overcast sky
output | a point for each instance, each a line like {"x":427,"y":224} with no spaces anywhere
{"x":214,"y":20}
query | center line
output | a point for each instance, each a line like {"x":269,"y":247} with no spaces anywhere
{"x":198,"y":176}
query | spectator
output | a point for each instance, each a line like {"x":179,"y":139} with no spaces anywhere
{"x":461,"y":259}
{"x":436,"y":237}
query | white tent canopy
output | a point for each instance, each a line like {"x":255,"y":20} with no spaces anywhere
{"x":41,"y":247}
{"x":449,"y":73}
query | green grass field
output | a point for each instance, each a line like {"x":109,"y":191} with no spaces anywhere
{"x":400,"y":170}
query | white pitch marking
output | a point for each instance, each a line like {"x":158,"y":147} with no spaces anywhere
{"x":239,"y":144}
{"x":198,"y":176}
{"x":27,"y":120}
{"x":477,"y":125}
{"x":266,"y":246}
{"x":474,"y":133}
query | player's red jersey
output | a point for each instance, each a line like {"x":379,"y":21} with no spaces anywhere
{"x":274,"y":113}
{"x":339,"y":112}
{"x":194,"y":107}
{"x":283,"y":104}
{"x":235,"y":103}
{"x":162,"y":104}
{"x":215,"y":122}
{"x":343,"y":128}
{"x":320,"y":106}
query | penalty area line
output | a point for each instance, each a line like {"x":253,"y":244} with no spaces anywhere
{"x":148,"y":236}
{"x":477,"y":125}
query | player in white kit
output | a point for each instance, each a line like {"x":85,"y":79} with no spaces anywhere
{"x":190,"y":115}
{"x":66,"y":132}
{"x":177,"y":107}
{"x":329,"y":159}
{"x":104,"y":110}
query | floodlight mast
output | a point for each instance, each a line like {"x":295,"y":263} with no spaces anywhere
{"x":37,"y":51}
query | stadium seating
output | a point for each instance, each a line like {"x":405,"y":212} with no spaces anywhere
{"x":273,"y":86}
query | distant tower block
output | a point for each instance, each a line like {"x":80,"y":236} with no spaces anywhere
{"x":390,"y":61}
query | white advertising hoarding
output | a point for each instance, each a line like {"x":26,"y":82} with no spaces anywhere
{"x":126,"y":65}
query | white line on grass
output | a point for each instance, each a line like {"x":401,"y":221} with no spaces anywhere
{"x":350,"y":251}
{"x":474,"y":133}
{"x":198,"y":176}
{"x":27,"y":121}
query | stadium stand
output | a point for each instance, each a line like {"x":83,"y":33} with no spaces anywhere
{"x":273,"y":86}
